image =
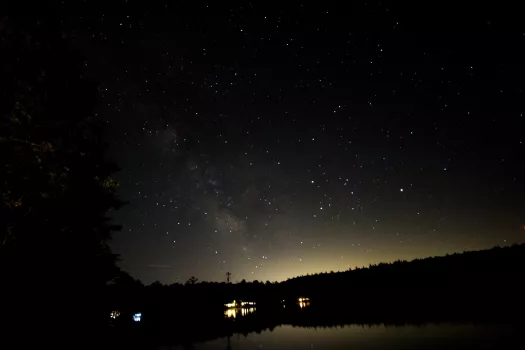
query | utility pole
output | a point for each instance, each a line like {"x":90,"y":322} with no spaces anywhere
{"x":228,"y":275}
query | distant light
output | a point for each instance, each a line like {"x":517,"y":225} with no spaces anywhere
{"x":232,"y":304}
{"x":114,"y":314}
{"x":401,"y":190}
{"x":137,"y":317}
{"x":303,"y":302}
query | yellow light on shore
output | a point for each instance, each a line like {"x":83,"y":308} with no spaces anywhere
{"x":230,"y":305}
{"x":239,"y":304}
{"x":303,"y":302}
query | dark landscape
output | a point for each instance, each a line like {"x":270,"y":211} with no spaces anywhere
{"x":473,"y":287}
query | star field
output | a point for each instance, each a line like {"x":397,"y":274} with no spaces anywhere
{"x":275,"y":141}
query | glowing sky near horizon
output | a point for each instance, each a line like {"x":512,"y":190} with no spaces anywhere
{"x":279,"y":141}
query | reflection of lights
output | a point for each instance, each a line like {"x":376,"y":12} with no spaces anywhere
{"x":230,"y":313}
{"x":114,"y":314}
{"x":137,"y":317}
{"x":245,"y":312}
{"x":303,"y":304}
{"x":233,"y":313}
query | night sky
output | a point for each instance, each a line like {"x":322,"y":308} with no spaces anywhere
{"x":279,"y":140}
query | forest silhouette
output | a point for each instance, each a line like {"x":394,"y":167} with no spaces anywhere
{"x":468,"y":284}
{"x":474,"y":286}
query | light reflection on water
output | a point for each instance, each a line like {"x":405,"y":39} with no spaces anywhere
{"x":375,"y":337}
{"x":234,"y":312}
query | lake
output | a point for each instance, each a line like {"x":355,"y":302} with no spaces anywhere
{"x":431,"y":336}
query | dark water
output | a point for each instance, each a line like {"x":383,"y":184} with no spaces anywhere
{"x":431,"y":336}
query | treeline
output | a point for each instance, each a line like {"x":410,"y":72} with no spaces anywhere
{"x":131,"y":295}
{"x":469,"y":285}
{"x":479,"y":286}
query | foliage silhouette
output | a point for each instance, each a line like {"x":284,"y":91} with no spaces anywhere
{"x":55,"y":180}
{"x":192,"y":280}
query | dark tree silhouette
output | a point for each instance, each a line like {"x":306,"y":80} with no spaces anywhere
{"x":228,"y":276}
{"x":192,"y":280}
{"x":55,"y":181}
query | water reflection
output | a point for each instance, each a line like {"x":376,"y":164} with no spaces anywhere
{"x":303,"y":304}
{"x":380,"y":337}
{"x":234,"y":312}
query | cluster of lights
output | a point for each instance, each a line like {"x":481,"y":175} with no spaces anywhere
{"x":303,"y":302}
{"x":239,"y":304}
{"x":114,"y":314}
{"x":230,"y":305}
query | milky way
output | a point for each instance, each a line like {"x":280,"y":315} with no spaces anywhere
{"x":278,"y":141}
